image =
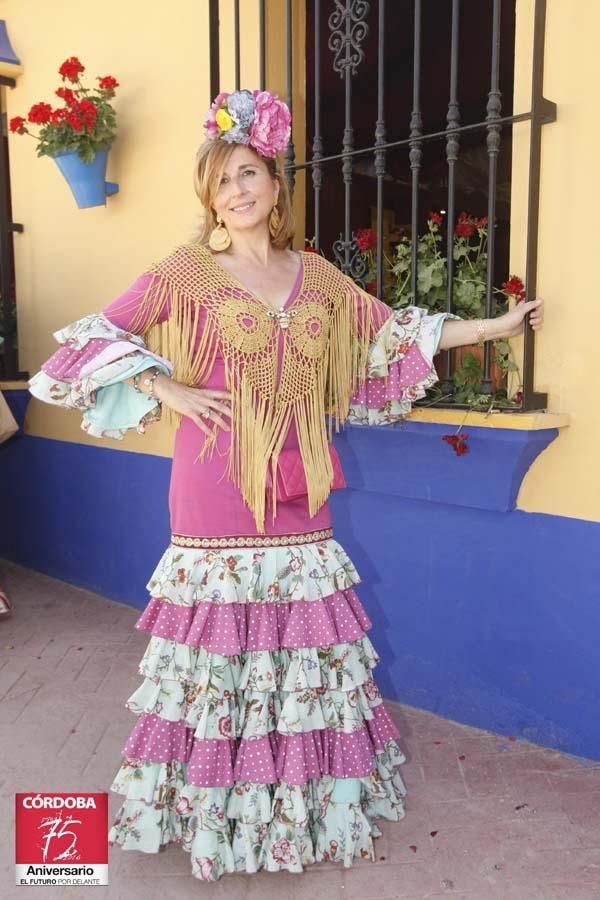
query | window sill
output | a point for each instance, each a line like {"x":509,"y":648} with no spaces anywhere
{"x":533,"y":421}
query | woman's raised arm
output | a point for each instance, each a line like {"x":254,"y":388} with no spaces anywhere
{"x":402,"y":346}
{"x":471,"y":331}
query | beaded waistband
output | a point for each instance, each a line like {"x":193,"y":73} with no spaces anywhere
{"x":252,"y":540}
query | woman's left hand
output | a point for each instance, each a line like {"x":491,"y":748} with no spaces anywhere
{"x":511,"y":323}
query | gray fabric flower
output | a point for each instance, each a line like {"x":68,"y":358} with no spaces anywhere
{"x":240,"y":106}
{"x":236,"y":135}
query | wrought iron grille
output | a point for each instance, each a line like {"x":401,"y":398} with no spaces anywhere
{"x":401,"y":135}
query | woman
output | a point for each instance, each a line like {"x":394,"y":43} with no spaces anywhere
{"x":261,"y":739}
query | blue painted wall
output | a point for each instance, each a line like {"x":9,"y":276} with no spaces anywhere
{"x":486,"y":616}
{"x":91,"y":516}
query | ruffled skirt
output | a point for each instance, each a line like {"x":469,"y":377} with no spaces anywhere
{"x":261,"y":739}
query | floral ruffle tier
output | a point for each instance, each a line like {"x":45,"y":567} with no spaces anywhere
{"x":262,"y":740}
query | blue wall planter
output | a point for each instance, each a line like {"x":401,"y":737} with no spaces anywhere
{"x":86,"y":180}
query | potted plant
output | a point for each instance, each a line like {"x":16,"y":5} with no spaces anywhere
{"x":77,"y":135}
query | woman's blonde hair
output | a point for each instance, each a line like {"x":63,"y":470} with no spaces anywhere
{"x":210,"y":163}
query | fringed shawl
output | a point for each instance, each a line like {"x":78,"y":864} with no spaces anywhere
{"x":330,"y":323}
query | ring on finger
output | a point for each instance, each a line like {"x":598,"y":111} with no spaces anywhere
{"x":205,"y":414}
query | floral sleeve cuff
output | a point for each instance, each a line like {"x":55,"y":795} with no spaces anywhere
{"x":88,"y":373}
{"x":399,"y":366}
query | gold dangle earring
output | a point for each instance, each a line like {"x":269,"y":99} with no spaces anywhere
{"x":274,"y":221}
{"x":219,"y":239}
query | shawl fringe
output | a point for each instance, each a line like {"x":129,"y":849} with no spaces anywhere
{"x":313,"y":384}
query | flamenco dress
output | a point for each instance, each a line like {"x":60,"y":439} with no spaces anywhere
{"x":261,"y":740}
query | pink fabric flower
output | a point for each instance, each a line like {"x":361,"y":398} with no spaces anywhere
{"x":225,"y":726}
{"x":206,"y":865}
{"x":270,"y":130}
{"x":371,"y":690}
{"x":281,"y":851}
{"x":210,"y":122}
{"x":183,"y":807}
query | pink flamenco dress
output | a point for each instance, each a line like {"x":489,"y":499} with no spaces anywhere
{"x":261,"y":740}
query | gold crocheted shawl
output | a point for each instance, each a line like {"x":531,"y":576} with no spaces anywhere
{"x":325,"y":331}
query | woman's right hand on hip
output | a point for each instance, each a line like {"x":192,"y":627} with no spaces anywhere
{"x":201,"y":405}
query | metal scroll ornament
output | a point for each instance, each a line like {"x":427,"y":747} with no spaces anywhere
{"x":356,"y":267}
{"x":348,"y":30}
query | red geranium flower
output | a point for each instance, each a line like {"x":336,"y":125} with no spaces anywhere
{"x":82,"y":116}
{"x":66,"y":94}
{"x":71,"y":69}
{"x":366,"y":239}
{"x":108,"y":83}
{"x":458,"y":442}
{"x":40,"y":113}
{"x":436,"y":218}
{"x":73,"y":119}
{"x":464,"y":229}
{"x":88,"y":113}
{"x":17,"y":124}
{"x":466,"y":225}
{"x":515,"y":287}
{"x":58,"y":116}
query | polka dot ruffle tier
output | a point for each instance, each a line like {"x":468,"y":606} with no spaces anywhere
{"x":262,"y":741}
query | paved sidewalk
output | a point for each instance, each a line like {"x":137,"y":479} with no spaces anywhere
{"x":488,"y":818}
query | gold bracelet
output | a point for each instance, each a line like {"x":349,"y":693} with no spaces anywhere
{"x":480,"y":332}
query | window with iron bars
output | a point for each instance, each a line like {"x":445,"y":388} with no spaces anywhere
{"x":408,"y":111}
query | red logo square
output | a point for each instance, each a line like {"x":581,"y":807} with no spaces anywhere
{"x":61,"y":838}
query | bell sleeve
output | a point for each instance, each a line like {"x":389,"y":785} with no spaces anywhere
{"x":98,"y":353}
{"x":399,"y":364}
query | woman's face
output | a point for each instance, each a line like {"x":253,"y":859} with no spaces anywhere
{"x":247,"y":192}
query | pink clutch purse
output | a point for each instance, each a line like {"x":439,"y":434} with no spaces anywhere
{"x":291,"y":477}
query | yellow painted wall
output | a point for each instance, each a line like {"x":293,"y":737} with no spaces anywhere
{"x":71,"y":262}
{"x":565,"y":480}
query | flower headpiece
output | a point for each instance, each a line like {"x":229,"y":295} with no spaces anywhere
{"x":257,"y":119}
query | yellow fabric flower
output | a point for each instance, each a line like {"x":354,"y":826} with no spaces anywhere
{"x":224,"y":120}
